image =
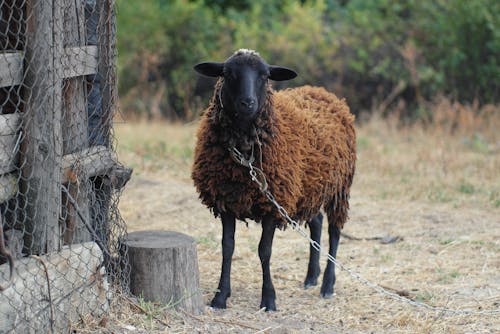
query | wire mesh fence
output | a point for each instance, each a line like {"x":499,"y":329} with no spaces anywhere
{"x":60,"y":181}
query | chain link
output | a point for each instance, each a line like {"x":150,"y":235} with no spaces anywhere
{"x":238,"y":157}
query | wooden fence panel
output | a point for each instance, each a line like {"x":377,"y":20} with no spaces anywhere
{"x":58,"y":170}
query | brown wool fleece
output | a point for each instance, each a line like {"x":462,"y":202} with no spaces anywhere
{"x":308,"y":157}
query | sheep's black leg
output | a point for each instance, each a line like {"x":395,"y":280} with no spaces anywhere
{"x":265,"y":246}
{"x":313,"y":269}
{"x":329,"y":275}
{"x":228,"y":227}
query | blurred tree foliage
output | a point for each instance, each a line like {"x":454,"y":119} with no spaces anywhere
{"x":377,"y":54}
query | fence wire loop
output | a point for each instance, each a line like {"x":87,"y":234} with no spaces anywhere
{"x":374,"y":286}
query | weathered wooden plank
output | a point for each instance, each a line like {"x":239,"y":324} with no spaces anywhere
{"x":11,"y":68}
{"x":75,"y":124}
{"x":9,"y":125}
{"x":7,"y":153}
{"x":76,"y":61}
{"x":79,"y":61}
{"x":42,"y":145}
{"x":106,"y":65}
{"x":93,"y":161}
{"x":8,"y":187}
{"x":78,"y":286}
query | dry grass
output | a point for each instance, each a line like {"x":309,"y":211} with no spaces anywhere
{"x":436,"y":185}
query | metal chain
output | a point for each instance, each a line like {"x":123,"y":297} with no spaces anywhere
{"x":258,"y":176}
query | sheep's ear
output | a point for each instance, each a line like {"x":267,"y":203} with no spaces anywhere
{"x":278,"y":73}
{"x":210,"y":69}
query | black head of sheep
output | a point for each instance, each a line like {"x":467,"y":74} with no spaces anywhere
{"x":245,"y":76}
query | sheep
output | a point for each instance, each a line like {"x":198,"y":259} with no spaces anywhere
{"x":303,"y":139}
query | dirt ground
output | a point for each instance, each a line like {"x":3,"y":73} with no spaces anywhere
{"x":447,"y":253}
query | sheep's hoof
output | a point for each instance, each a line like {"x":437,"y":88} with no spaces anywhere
{"x":326,"y":295}
{"x":310,"y":282}
{"x":218,"y":302}
{"x":312,"y":277}
{"x":326,"y":290}
{"x":268,"y":304}
{"x":270,"y":308}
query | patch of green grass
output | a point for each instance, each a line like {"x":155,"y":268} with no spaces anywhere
{"x":362,"y":143}
{"x":446,"y":277}
{"x":495,"y":198}
{"x":385,"y":194}
{"x":208,"y":241}
{"x":386,"y":258}
{"x":253,"y":244}
{"x":446,"y":241}
{"x":408,"y":247}
{"x":466,"y":188}
{"x":488,"y":245}
{"x":183,"y":152}
{"x":479,"y":242}
{"x":440,"y":195}
{"x":383,"y":257}
{"x":150,"y":150}
{"x":477,"y":143}
{"x":404,"y":179}
{"x":424,"y":296}
{"x":150,"y":309}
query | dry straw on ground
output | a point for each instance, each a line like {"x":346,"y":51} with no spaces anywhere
{"x":436,"y":185}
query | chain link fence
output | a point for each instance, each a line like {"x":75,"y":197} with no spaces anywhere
{"x":60,"y":180}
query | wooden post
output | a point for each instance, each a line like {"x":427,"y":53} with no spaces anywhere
{"x":75,"y":127}
{"x":42,"y":144}
{"x":164,"y":268}
{"x":101,"y":25}
{"x":106,"y":69}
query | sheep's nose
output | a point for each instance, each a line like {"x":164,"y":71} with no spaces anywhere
{"x":247,"y":102}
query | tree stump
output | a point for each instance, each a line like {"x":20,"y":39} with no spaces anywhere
{"x":164,"y":268}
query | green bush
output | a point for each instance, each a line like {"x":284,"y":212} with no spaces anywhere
{"x":431,"y":47}
{"x":461,"y":42}
{"x":374,"y":53}
{"x":158,"y":43}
